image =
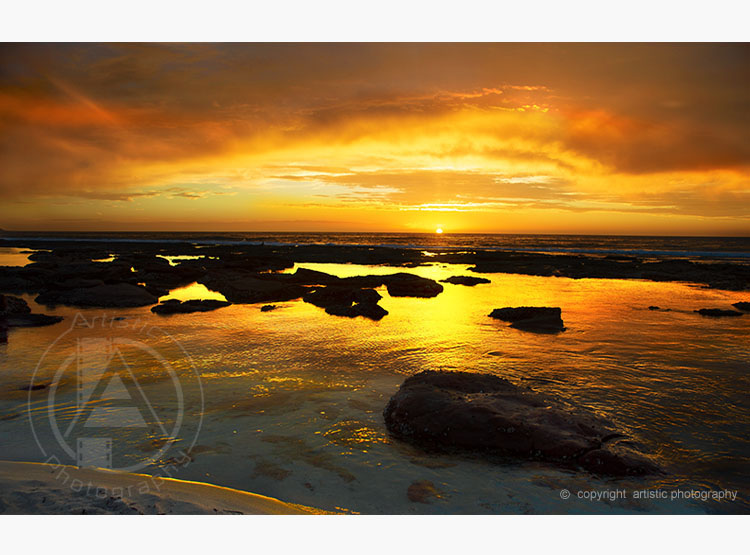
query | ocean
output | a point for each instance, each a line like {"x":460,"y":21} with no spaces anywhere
{"x":291,"y":400}
{"x":723,"y":248}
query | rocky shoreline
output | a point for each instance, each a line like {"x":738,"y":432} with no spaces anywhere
{"x":73,"y":260}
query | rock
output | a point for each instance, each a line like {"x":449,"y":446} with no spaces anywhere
{"x":268,"y":307}
{"x":421,"y":491}
{"x":33,"y":387}
{"x":78,"y":283}
{"x":539,"y":319}
{"x":617,"y":460}
{"x":409,"y":285}
{"x":347,"y":301}
{"x":10,"y":305}
{"x":654,"y":308}
{"x":465,"y":280}
{"x":249,"y":289}
{"x":31,"y":320}
{"x":312,"y":277}
{"x":118,"y":295}
{"x":717,"y":312}
{"x":743,"y":306}
{"x":15,"y":313}
{"x":486,"y":415}
{"x":368,"y":310}
{"x":325,"y":297}
{"x":174,"y":306}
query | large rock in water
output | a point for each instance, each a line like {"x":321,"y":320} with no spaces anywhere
{"x":539,"y":319}
{"x":244,"y":288}
{"x":117,"y":295}
{"x":174,"y":306}
{"x":744,"y":306}
{"x":409,"y":285}
{"x":484,"y":414}
{"x":347,"y":301}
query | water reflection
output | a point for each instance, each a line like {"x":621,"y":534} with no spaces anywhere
{"x":294,"y":397}
{"x":193,"y":291}
{"x":11,"y":256}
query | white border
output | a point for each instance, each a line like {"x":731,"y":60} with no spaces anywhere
{"x":377,"y":535}
{"x":385,"y":20}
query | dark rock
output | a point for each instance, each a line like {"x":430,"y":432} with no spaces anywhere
{"x":250,"y":288}
{"x":15,"y":313}
{"x":744,"y":306}
{"x":717,"y":312}
{"x":33,"y":387}
{"x":373,"y":311}
{"x":486,"y":415}
{"x":617,"y":460}
{"x":78,"y":283}
{"x":174,"y":306}
{"x":118,"y":295}
{"x":409,"y":285}
{"x":465,"y":280}
{"x":31,"y":320}
{"x":312,"y":277}
{"x":13,"y":306}
{"x":325,"y":297}
{"x":347,"y":301}
{"x":654,"y":308}
{"x":268,"y":307}
{"x":421,"y":491}
{"x":540,"y":319}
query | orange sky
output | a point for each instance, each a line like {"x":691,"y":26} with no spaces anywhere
{"x":510,"y":138}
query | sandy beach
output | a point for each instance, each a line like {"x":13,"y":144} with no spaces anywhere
{"x":37,"y":488}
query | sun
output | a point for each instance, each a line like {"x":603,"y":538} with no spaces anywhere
{"x":439,"y":230}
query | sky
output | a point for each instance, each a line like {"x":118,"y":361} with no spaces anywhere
{"x":634,"y":139}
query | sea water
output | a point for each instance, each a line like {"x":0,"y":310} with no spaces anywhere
{"x":292,"y":399}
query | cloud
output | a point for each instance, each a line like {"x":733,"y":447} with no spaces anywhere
{"x":414,"y":125}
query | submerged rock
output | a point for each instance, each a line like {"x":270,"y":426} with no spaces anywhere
{"x":174,"y":306}
{"x":717,"y":312}
{"x":422,"y":491}
{"x":484,"y":414}
{"x":744,"y":306}
{"x":268,"y":307}
{"x":540,"y":319}
{"x":118,"y":295}
{"x":465,"y":280}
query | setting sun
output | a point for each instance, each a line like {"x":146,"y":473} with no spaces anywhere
{"x":439,"y":230}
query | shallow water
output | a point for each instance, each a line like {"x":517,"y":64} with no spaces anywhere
{"x":11,"y":256}
{"x":293,"y":398}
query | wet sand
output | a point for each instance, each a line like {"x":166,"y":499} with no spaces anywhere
{"x":37,"y":488}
